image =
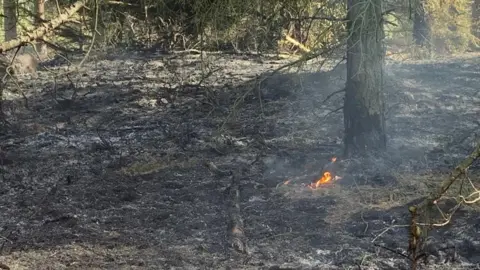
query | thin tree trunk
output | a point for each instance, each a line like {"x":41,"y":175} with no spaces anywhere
{"x":39,"y":19}
{"x":364,"y":101}
{"x":10,"y":19}
{"x":421,"y":26}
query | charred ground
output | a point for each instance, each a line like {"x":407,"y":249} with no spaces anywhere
{"x":116,"y":177}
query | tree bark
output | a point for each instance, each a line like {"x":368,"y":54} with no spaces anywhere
{"x":39,"y":19}
{"x":10,"y":19}
{"x":421,"y":26}
{"x":364,"y":105}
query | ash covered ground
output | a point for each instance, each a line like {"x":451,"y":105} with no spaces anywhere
{"x":115,"y":177}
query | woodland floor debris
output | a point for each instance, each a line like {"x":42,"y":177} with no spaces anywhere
{"x":115,"y":182}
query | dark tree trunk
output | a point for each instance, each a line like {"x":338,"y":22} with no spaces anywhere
{"x":10,"y":19}
{"x":421,"y":26}
{"x":364,"y":101}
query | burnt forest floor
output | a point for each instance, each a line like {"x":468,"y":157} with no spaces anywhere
{"x":116,"y":177}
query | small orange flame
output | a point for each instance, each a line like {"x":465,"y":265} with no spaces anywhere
{"x":327,"y":177}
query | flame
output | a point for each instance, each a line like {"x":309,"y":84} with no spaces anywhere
{"x":327,"y":177}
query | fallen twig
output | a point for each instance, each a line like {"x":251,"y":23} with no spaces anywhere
{"x":392,"y":250}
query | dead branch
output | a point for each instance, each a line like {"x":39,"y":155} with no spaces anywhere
{"x":44,"y":29}
{"x":392,"y":250}
{"x":467,"y":200}
{"x":416,"y":240}
{"x":235,"y":230}
{"x":297,"y":43}
{"x":333,"y":94}
{"x":321,"y":18}
{"x":457,"y":172}
{"x":120,"y":3}
{"x":332,"y":112}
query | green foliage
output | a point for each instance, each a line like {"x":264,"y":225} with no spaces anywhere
{"x":252,"y":25}
{"x":450,"y":25}
{"x":244,"y":25}
{"x":450,"y":28}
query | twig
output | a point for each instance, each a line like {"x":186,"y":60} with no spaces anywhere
{"x":324,"y":18}
{"x":416,"y":241}
{"x":333,"y":94}
{"x":391,"y":250}
{"x":388,"y":229}
{"x":332,"y":112}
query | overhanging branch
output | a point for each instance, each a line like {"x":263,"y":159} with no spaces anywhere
{"x":44,"y":29}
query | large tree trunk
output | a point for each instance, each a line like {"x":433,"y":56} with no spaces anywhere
{"x":364,"y":101}
{"x":10,"y":19}
{"x":476,"y":18}
{"x":39,"y":19}
{"x":421,"y":26}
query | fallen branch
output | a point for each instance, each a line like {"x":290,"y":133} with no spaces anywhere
{"x":235,"y":231}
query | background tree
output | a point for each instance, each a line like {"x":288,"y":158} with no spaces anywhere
{"x":364,"y":101}
{"x":451,"y":25}
{"x":10,"y":19}
{"x":421,"y":27}
{"x":39,"y":19}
